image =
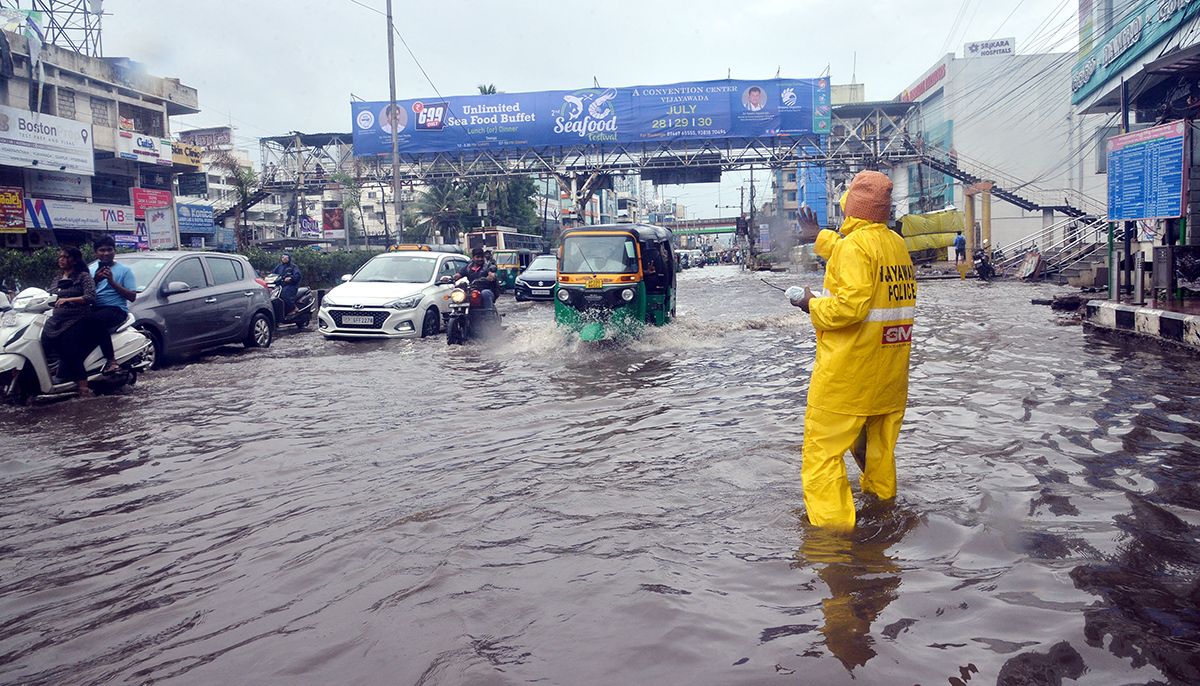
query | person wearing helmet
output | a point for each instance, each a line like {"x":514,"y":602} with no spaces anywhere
{"x":859,"y":386}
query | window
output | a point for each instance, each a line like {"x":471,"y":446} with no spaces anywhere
{"x":190,"y":272}
{"x":223,"y":270}
{"x":100,"y":112}
{"x":791,"y":177}
{"x":790,"y":196}
{"x":371,"y":194}
{"x":66,"y":103}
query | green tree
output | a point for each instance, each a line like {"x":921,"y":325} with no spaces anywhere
{"x":245,"y":183}
{"x":445,"y":206}
{"x":352,"y":199}
{"x":488,"y":89}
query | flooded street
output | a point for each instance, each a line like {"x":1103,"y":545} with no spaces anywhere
{"x":405,"y":512}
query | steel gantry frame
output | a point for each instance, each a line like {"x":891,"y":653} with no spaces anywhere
{"x":71,"y":24}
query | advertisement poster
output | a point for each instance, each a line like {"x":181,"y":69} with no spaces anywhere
{"x":226,"y":238}
{"x":333,"y":221}
{"x":12,"y":210}
{"x":195,"y":219}
{"x":46,"y":142}
{"x":44,"y":183}
{"x":635,"y":114}
{"x":143,"y":198}
{"x":69,"y":214}
{"x":143,"y":148}
{"x":309,"y":228}
{"x":160,"y":228}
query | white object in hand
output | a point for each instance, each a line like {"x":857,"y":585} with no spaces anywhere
{"x":795,"y":294}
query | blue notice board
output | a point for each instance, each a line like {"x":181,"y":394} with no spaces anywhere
{"x":1146,"y":173}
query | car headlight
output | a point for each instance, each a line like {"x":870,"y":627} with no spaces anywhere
{"x":405,"y":303}
{"x":627,"y":294}
{"x":326,"y":302}
{"x":563,"y":295}
{"x":458,"y":295}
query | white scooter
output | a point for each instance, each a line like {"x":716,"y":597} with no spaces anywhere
{"x":25,"y":369}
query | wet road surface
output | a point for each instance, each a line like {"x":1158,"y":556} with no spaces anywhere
{"x":403,"y":512}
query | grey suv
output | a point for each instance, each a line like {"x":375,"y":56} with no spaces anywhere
{"x":190,"y":301}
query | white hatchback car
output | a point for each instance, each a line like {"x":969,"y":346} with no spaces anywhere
{"x":397,"y":294}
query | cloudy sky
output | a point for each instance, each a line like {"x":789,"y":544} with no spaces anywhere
{"x":273,"y":67}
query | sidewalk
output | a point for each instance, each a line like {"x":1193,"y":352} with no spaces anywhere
{"x":1169,"y":321}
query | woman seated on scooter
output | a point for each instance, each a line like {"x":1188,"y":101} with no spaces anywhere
{"x":70,"y":331}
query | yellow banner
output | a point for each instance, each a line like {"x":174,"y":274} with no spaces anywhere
{"x":186,"y":155}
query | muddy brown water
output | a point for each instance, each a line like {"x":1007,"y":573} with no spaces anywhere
{"x":401,"y":512}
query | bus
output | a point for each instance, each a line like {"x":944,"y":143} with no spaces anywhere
{"x":498,"y":239}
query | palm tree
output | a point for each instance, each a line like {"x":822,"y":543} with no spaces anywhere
{"x":445,"y":206}
{"x":488,"y":89}
{"x":245,"y":184}
{"x":352,"y":198}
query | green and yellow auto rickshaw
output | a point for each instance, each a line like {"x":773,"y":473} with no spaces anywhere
{"x":613,"y":279}
{"x":509,"y":264}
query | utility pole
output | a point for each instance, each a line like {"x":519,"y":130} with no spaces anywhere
{"x":393,"y":119}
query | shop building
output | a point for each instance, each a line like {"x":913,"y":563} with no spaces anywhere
{"x":81,"y":136}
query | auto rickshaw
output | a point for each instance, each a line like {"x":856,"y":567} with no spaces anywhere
{"x":613,"y":279}
{"x":509,"y":264}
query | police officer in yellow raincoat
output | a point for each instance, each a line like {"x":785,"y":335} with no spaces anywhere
{"x":859,"y":384}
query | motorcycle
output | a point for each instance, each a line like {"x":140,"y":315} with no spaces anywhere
{"x":983,"y":266}
{"x":306,"y":302}
{"x":467,"y":319}
{"x":26,"y":370}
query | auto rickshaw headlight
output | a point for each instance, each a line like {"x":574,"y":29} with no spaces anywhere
{"x":627,"y":294}
{"x":458,"y":295}
{"x":563,"y":295}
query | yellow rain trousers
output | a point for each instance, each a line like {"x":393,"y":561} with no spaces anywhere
{"x":860,"y":379}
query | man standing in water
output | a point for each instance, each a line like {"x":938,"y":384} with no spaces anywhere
{"x":859,"y":383}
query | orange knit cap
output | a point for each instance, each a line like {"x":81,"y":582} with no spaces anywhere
{"x":869,"y":197}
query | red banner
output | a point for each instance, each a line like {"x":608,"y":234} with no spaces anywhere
{"x":144,"y":198}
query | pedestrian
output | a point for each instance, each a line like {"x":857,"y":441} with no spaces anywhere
{"x":960,"y":248}
{"x":859,"y":383}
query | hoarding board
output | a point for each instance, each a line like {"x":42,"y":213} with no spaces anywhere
{"x":12,"y":210}
{"x":309,"y":228}
{"x":42,"y":141}
{"x":207,"y":138}
{"x":195,"y":219}
{"x":1147,"y":172}
{"x":186,"y":155}
{"x":41,"y":182}
{"x":333,"y":224}
{"x":160,"y":228}
{"x":143,"y":148}
{"x":193,"y":184}
{"x":143,"y":198}
{"x":636,"y":114}
{"x":86,"y":216}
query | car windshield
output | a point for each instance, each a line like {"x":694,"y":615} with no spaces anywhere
{"x":605,"y":254}
{"x":397,"y":269}
{"x":545,"y":263}
{"x":144,"y":269}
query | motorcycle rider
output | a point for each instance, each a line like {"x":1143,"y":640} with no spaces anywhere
{"x":289,"y":278}
{"x":115,"y":285}
{"x":481,"y":268}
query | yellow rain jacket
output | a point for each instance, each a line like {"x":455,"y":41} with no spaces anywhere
{"x":863,"y":321}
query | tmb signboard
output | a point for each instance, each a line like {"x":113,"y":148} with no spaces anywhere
{"x":1146,"y":173}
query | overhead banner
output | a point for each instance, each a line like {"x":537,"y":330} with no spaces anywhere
{"x":636,"y":114}
{"x":195,"y":219}
{"x":86,"y":216}
{"x":42,"y":141}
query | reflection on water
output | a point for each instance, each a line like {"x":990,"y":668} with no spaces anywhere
{"x":540,"y":509}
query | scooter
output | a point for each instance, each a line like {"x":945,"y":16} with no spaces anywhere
{"x":467,"y":319}
{"x":26,"y":371}
{"x":983,"y":266}
{"x":306,"y":302}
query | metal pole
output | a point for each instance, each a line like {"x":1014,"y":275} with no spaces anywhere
{"x":397,"y":200}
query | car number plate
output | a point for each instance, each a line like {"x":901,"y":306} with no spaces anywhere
{"x":541,"y":291}
{"x":595,"y":283}
{"x":357,"y":319}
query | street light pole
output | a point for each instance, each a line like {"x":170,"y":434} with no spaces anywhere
{"x":393,"y":120}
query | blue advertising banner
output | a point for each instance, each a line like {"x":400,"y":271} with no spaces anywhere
{"x":1146,"y":172}
{"x":195,"y":219}
{"x":226,"y":238}
{"x":637,"y":114}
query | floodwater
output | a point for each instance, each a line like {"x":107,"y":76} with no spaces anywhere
{"x":403,"y":512}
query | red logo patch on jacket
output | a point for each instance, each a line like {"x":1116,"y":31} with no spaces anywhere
{"x":900,"y":333}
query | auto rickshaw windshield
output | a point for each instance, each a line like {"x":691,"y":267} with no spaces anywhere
{"x":611,"y":254}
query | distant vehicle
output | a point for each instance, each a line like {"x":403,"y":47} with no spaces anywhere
{"x":495,"y":239}
{"x":538,"y":281}
{"x":613,"y":279}
{"x":509,"y":263}
{"x":397,"y":294}
{"x":191,"y":301}
{"x":432,"y":247}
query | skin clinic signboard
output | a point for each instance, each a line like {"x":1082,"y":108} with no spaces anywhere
{"x":589,"y":116}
